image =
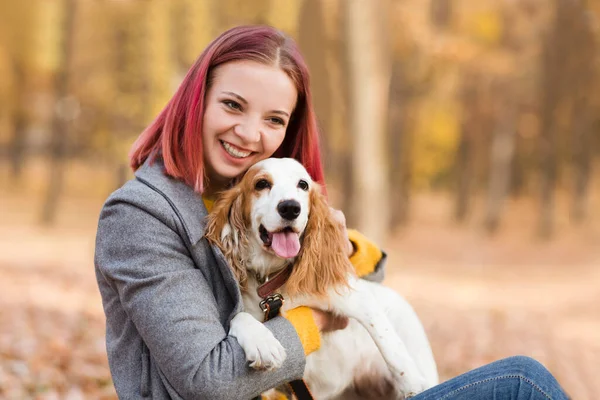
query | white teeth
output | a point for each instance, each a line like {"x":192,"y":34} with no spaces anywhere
{"x":234,"y":152}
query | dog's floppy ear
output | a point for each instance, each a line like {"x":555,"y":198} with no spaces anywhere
{"x":323,"y":261}
{"x":225,"y":228}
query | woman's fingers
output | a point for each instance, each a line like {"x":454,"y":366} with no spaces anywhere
{"x":328,"y":322}
{"x":340,"y":218}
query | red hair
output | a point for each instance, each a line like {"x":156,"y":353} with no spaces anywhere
{"x":176,"y":133}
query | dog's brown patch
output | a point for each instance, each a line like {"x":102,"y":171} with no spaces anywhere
{"x":373,"y":386}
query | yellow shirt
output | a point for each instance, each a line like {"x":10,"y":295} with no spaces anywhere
{"x":208,"y":203}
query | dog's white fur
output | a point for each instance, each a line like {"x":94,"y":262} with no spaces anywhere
{"x":384,"y":344}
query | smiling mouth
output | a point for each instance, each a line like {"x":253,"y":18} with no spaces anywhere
{"x":234,"y":151}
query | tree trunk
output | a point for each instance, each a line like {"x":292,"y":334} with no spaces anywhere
{"x":18,"y":141}
{"x":464,"y":175}
{"x":584,"y":80}
{"x":340,"y":88}
{"x":61,"y":119}
{"x":464,"y":158}
{"x":502,"y":153}
{"x":519,"y":167}
{"x":555,"y":84}
{"x":313,"y":42}
{"x":399,"y":148}
{"x":440,"y":12}
{"x":548,"y":174}
{"x":369,"y":75}
{"x":582,"y":168}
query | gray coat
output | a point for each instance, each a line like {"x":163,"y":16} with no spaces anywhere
{"x":169,"y":297}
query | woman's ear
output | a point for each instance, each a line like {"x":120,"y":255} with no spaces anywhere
{"x":226,"y":229}
{"x":323,"y":261}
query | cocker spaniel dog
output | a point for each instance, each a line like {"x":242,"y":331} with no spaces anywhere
{"x":275,"y":222}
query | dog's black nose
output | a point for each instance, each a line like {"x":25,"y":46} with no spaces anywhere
{"x":289,"y":209}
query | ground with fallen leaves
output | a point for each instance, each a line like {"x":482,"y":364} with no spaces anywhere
{"x":480,"y":298}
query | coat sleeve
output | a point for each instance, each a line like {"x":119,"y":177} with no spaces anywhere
{"x":141,"y":254}
{"x":368,"y":259}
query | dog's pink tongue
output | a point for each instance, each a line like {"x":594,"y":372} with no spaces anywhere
{"x":286,"y":244}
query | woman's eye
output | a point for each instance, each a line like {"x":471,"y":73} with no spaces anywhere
{"x":277,"y":121}
{"x":234,"y":105}
{"x":303,"y":185}
{"x":262,"y":184}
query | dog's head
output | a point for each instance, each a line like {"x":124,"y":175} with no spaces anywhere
{"x":275,"y":215}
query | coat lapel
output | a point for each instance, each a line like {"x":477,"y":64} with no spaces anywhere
{"x":190,"y":209}
{"x":187,"y":204}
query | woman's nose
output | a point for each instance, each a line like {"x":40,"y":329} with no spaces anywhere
{"x":249,"y":131}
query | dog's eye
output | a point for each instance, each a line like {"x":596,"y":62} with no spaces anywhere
{"x":262,"y":184}
{"x":303,"y":185}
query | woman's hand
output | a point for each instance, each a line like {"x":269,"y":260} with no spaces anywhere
{"x":329,"y":322}
{"x":340,"y":218}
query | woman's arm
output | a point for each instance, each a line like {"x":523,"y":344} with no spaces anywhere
{"x":141,"y":254}
{"x":368,"y":259}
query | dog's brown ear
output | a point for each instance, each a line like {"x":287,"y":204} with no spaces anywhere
{"x":323,"y":261}
{"x":225,"y":228}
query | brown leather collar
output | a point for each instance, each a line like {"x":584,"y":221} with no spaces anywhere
{"x":274,"y":283}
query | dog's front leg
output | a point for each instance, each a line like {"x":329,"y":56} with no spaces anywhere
{"x":357,"y":302}
{"x":263,"y":350}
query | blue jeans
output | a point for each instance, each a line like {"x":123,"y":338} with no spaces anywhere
{"x":514,"y":378}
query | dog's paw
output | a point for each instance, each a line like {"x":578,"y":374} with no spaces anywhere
{"x":263,"y":350}
{"x":409,"y":384}
{"x":264,"y":353}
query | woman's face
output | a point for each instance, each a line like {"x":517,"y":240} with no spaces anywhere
{"x":248,"y":109}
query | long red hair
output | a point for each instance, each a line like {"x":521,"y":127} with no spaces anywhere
{"x":176,"y":133}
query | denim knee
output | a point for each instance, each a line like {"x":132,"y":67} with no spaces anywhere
{"x":534,"y":372}
{"x":525,"y":366}
{"x":517,"y":377}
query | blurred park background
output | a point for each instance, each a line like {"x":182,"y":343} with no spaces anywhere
{"x":463,"y":135}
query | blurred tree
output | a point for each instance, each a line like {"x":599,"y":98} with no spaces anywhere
{"x":471,"y":126}
{"x":369,"y":77}
{"x":400,"y":143}
{"x":319,"y":38}
{"x":410,"y":80}
{"x":314,"y":44}
{"x":157,"y":58}
{"x":17,"y":41}
{"x":337,"y":129}
{"x":502,"y":149}
{"x":524,"y":164}
{"x":135,"y":63}
{"x":440,"y":13}
{"x":238,"y":12}
{"x":285,"y":15}
{"x":528,"y":20}
{"x":17,"y":147}
{"x":506,"y":104}
{"x":194,"y":25}
{"x":585,"y":70}
{"x":65,"y":107}
{"x":460,"y":98}
{"x":559,"y":56}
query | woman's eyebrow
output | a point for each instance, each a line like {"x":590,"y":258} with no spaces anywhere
{"x":237,"y":96}
{"x":280,"y":112}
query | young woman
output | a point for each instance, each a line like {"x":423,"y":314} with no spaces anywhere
{"x":167,"y":296}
